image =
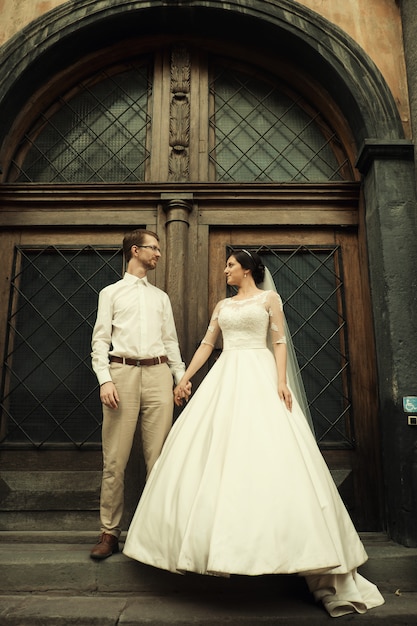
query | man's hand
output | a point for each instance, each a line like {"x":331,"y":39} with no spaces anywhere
{"x":182,"y":392}
{"x":108,"y":395}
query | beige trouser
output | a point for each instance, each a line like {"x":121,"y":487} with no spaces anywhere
{"x":144,"y":392}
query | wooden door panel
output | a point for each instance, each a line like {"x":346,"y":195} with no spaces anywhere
{"x":49,"y":482}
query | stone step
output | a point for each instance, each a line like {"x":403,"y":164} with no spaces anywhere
{"x":193,"y":610}
{"x":50,"y":580}
{"x":40,"y":562}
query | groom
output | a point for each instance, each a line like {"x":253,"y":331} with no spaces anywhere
{"x":135,"y":356}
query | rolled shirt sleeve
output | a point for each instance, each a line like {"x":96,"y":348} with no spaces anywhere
{"x":101,"y":339}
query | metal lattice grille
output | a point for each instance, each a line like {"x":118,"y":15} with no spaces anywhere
{"x":262,"y":134}
{"x":310,"y":282}
{"x":49,"y":392}
{"x":98,"y":135}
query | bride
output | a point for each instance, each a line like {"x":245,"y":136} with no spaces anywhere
{"x":241,"y":486}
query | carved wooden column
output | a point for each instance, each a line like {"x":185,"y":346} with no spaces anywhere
{"x":179,"y":122}
{"x":177,"y":211}
{"x":178,"y":206}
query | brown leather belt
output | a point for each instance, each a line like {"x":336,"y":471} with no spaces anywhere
{"x":155,"y":360}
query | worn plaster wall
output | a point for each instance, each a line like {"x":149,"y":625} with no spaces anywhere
{"x":16,"y":14}
{"x":375,"y":25}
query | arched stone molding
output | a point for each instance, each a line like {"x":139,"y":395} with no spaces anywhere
{"x":325,"y":51}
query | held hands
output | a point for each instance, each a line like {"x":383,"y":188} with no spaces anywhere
{"x":108,"y":395}
{"x":285,"y":395}
{"x":182,"y":392}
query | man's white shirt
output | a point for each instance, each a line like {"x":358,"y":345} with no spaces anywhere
{"x":134,"y":320}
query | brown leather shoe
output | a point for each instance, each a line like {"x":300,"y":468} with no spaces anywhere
{"x":105,"y":546}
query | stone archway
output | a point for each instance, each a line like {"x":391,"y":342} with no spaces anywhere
{"x":333,"y":57}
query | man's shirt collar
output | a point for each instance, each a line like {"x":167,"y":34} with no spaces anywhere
{"x":131,"y":279}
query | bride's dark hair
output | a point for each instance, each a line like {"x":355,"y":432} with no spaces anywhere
{"x":251,"y":261}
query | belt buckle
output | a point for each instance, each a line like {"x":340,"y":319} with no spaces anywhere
{"x":138,"y":363}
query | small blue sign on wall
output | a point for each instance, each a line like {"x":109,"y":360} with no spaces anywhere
{"x":410,"y":404}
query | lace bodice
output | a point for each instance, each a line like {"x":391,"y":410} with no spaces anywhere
{"x":245,"y":323}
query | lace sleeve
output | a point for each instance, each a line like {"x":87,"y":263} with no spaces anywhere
{"x":213,"y":329}
{"x":276,"y":318}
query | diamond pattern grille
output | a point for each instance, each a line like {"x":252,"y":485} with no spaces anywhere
{"x":310,"y":282}
{"x":97,"y":135}
{"x":49,"y":392}
{"x":262,"y":134}
{"x":101,"y":132}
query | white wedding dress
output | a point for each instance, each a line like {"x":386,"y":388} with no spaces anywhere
{"x":241,"y":486}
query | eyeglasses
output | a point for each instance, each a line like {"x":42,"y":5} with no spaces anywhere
{"x":153,"y":248}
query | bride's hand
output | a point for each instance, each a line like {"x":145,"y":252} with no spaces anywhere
{"x":285,"y":395}
{"x":182,"y":392}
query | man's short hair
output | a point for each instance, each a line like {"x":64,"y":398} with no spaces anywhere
{"x":135,"y":238}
